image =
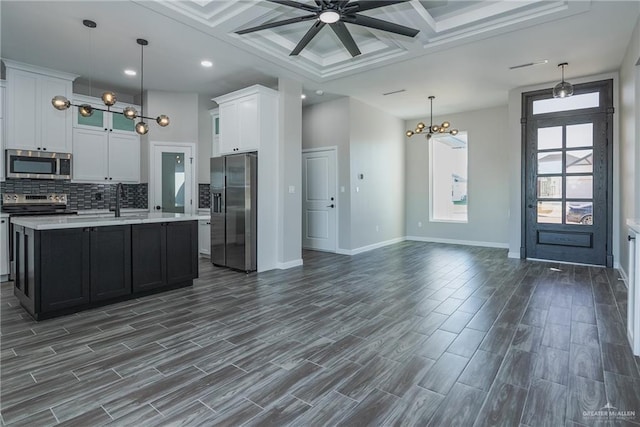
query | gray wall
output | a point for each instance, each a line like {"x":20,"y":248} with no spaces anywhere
{"x":377,"y":150}
{"x":327,"y":125}
{"x":488,"y":186}
{"x":369,"y":142}
{"x":290,"y":173}
{"x":205,"y":137}
{"x":629,"y":141}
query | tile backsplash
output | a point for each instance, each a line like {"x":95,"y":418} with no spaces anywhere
{"x":81,"y":196}
{"x":204,"y":196}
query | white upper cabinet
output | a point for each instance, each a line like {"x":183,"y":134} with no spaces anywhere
{"x":244,"y":117}
{"x":215,"y":131}
{"x":31,"y":121}
{"x":2,"y":128}
{"x":106,"y":147}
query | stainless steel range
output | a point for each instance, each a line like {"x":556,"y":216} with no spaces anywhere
{"x":32,"y":204}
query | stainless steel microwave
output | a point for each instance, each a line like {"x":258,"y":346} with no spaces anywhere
{"x":38,"y":164}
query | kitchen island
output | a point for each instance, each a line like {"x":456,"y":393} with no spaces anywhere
{"x":65,"y":264}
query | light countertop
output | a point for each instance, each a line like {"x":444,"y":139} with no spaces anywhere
{"x":54,"y":222}
{"x":123,"y":211}
{"x":634,"y":224}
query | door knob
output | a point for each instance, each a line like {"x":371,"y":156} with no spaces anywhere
{"x":330,"y":206}
{"x":158,"y":207}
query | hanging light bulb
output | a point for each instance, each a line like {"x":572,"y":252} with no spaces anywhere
{"x":130,"y":113}
{"x":162,"y":120}
{"x":409,"y":133}
{"x":85,"y":110}
{"x":563,"y":89}
{"x":109,"y":98}
{"x":446,"y":124}
{"x":453,"y":132}
{"x":60,"y":102}
{"x":142,"y":128}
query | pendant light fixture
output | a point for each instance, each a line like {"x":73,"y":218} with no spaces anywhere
{"x":109,"y":99}
{"x":432,"y":129}
{"x":563,"y":89}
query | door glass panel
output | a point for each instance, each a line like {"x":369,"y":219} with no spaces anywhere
{"x":580,"y":213}
{"x":217,"y":126}
{"x":580,"y":135}
{"x":550,"y":138}
{"x":550,"y":162}
{"x":579,"y":161}
{"x":549,"y":187}
{"x":575,"y":102}
{"x":550,"y":212}
{"x":173,"y":182}
{"x":94,"y":120}
{"x":579,"y":187}
{"x":120,"y":122}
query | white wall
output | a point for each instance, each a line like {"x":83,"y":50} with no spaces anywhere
{"x":327,"y":125}
{"x":205,"y":137}
{"x":290,"y":174}
{"x":488,"y":185}
{"x":515,"y":162}
{"x":182,"y":109}
{"x":377,"y":151}
{"x":629,"y":141}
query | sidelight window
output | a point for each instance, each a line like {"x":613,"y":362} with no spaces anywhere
{"x":448,"y":159}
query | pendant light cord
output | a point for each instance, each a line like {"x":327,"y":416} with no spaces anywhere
{"x":141,"y":79}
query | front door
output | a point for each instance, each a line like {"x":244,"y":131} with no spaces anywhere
{"x":319,"y":200}
{"x":567,"y":175}
{"x":171,"y":186}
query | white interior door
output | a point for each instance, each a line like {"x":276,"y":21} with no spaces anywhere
{"x":319,"y":200}
{"x":172,"y":185}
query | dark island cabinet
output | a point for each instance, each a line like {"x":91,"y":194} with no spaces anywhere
{"x":164,"y":254}
{"x":110,"y":262}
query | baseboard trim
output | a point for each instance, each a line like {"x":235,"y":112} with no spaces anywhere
{"x":514,"y":254}
{"x":623,"y":274}
{"x":368,"y":248}
{"x":460,"y":242}
{"x":289,"y":264}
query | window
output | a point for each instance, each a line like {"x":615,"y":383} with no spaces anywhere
{"x":448,"y":165}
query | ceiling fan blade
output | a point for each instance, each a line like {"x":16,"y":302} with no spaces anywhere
{"x":359,"y":6}
{"x":307,"y":37}
{"x":277,"y":24}
{"x":378,"y":24}
{"x":345,"y":37}
{"x":297,"y":5}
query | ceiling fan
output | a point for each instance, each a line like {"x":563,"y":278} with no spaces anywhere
{"x":336,"y":13}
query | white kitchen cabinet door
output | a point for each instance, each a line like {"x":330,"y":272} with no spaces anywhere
{"x":90,"y":155}
{"x":55,"y":124}
{"x":229,"y":128}
{"x":124,"y":158}
{"x":4,"y":241}
{"x":23,"y":130}
{"x":248,"y":123}
{"x":2,"y":95}
{"x":204,"y":236}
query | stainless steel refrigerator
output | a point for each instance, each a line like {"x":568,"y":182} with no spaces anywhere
{"x":233,"y":211}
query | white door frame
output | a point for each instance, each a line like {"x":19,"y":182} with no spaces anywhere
{"x":333,"y":148}
{"x":153,"y":145}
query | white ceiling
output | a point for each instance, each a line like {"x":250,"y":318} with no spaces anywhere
{"x":461,"y":55}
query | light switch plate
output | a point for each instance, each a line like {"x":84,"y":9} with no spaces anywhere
{"x":292,"y":189}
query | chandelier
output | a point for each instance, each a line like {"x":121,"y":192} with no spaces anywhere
{"x":432,"y":129}
{"x":60,"y":102}
{"x":563,"y":89}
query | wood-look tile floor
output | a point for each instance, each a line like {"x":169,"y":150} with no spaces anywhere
{"x":411,"y":334}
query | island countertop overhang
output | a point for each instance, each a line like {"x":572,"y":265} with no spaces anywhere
{"x":55,"y":222}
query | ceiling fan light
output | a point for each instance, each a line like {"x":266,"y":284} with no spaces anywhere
{"x":142,"y":128}
{"x":109,"y":98}
{"x":409,"y":133}
{"x":163,"y":120}
{"x":85,"y":110}
{"x":329,"y":16}
{"x":60,"y":102}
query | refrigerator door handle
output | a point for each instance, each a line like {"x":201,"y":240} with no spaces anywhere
{"x":217,"y":203}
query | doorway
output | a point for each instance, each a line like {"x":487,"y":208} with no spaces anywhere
{"x":567,"y":176}
{"x":172,"y":184}
{"x":319,"y":199}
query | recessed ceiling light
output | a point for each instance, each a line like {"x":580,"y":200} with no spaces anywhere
{"x":303,"y":96}
{"x":130,"y":72}
{"x":320,"y":92}
{"x":206,"y":63}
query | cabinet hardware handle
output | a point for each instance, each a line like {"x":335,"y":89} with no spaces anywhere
{"x":331,"y":205}
{"x":629,"y":238}
{"x":106,"y":129}
{"x":44,"y":149}
{"x":3,"y":221}
{"x":105,"y":177}
{"x":110,"y":178}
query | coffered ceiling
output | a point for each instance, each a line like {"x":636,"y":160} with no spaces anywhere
{"x":462,"y":53}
